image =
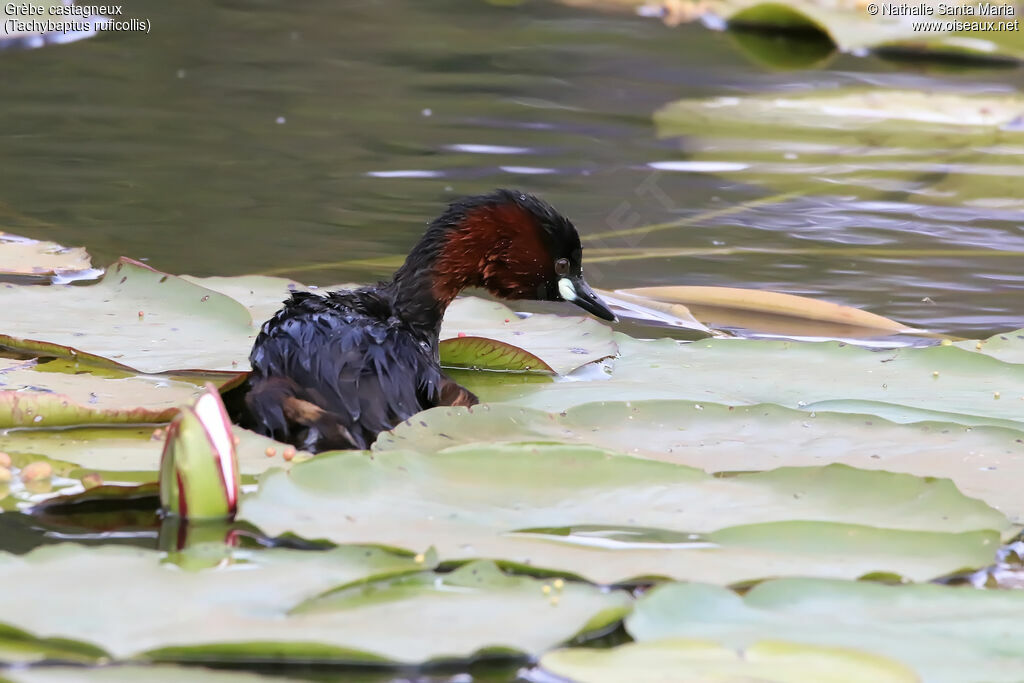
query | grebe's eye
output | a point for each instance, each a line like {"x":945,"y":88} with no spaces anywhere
{"x":562,"y":267}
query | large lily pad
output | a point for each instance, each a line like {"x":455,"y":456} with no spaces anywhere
{"x":135,"y":317}
{"x":610,"y":517}
{"x":902,"y":117}
{"x":984,"y":462}
{"x":291,"y":605}
{"x":936,"y":148}
{"x":944,"y":634}
{"x":35,"y":258}
{"x":33,"y":395}
{"x":962,"y":386}
{"x":702,"y":661}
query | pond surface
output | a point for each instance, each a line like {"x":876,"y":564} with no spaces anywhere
{"x":316,"y":141}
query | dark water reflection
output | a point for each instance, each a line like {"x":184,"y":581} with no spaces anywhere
{"x":271,"y":136}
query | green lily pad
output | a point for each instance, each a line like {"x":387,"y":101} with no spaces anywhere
{"x":901,"y":116}
{"x":939,"y":148}
{"x":984,"y":462}
{"x":969,"y":387}
{"x":261,"y":295}
{"x":610,"y":518}
{"x":35,"y":258}
{"x":282,"y":605}
{"x":561,"y":343}
{"x":1007,"y":347}
{"x":702,"y":661}
{"x":135,"y":317}
{"x":944,"y":634}
{"x":33,"y":396}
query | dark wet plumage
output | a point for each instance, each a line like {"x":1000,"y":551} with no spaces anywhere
{"x":333,"y":371}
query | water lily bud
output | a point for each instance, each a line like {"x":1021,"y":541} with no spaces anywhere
{"x":5,"y":459}
{"x":199,"y":467}
{"x":5,"y":475}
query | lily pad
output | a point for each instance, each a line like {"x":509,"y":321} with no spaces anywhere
{"x":610,"y":518}
{"x":965,"y":387}
{"x":984,"y":462}
{"x":703,"y":661}
{"x":135,"y":317}
{"x":561,"y":343}
{"x":944,"y":634}
{"x":282,"y":605}
{"x":903,"y":116}
{"x":31,"y":396}
{"x":936,"y":148}
{"x":35,"y":258}
{"x":261,"y":295}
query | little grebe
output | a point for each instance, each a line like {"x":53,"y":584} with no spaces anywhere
{"x":333,"y":371}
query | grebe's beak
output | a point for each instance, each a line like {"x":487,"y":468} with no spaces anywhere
{"x":579,"y":292}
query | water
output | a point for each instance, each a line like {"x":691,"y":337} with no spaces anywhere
{"x":271,"y":137}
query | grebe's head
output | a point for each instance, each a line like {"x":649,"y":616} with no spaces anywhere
{"x":514,"y":245}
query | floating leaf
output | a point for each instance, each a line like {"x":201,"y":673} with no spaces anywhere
{"x":261,"y":295}
{"x":610,"y":518}
{"x":944,"y":634}
{"x":962,"y":386}
{"x":902,"y":117}
{"x":29,"y":257}
{"x":281,"y":605}
{"x":135,"y":318}
{"x":32,"y":396}
{"x":984,"y":462}
{"x":704,"y":661}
